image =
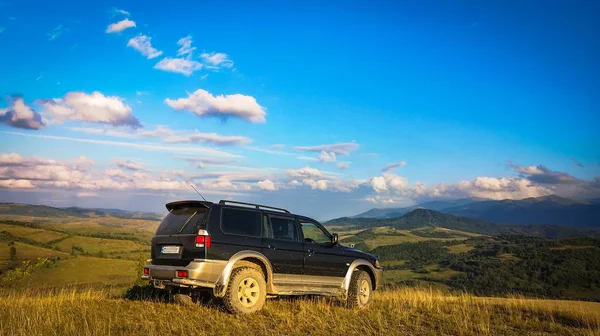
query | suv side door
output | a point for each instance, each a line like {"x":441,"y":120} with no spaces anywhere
{"x":320,"y":257}
{"x":282,"y":245}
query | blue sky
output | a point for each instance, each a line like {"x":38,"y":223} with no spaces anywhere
{"x":493,"y":99}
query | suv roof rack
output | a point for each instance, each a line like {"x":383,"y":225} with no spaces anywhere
{"x":257,"y":206}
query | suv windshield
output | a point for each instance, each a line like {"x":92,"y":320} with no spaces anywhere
{"x":181,"y":221}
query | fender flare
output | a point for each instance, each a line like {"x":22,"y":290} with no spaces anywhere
{"x":355,"y":264}
{"x":223,"y":280}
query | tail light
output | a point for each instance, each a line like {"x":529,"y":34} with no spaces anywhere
{"x":203,"y":239}
{"x":182,"y":274}
{"x":146,"y":271}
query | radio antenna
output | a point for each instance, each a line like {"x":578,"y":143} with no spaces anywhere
{"x":191,"y":185}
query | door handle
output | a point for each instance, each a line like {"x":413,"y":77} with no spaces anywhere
{"x":271,"y":246}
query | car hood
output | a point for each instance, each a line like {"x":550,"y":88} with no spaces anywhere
{"x":357,"y":253}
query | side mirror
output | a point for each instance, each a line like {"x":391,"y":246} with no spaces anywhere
{"x":334,"y":239}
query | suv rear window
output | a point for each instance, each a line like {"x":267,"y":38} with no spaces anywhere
{"x":174,"y":222}
{"x":241,"y":222}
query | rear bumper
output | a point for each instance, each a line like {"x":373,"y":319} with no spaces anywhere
{"x":201,"y":273}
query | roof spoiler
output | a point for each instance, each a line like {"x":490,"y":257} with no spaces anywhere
{"x":171,"y":205}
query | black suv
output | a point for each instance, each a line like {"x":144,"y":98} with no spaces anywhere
{"x":242,"y":252}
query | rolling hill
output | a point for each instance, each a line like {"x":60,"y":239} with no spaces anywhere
{"x":530,"y":211}
{"x":541,"y":210}
{"x":431,"y":205}
{"x":420,"y":218}
{"x":47,"y":211}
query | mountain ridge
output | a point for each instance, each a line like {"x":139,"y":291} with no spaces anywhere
{"x":420,"y":218}
{"x":550,"y":209}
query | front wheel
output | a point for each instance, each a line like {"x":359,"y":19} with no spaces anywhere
{"x":246,"y":292}
{"x":360,"y":292}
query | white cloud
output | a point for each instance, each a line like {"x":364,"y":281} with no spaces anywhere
{"x":117,"y":11}
{"x":56,"y":32}
{"x":204,"y":104}
{"x":16,"y":184}
{"x":91,"y":108}
{"x":294,"y":183}
{"x":115,"y":173}
{"x":307,"y":158}
{"x":186,"y":48}
{"x":127,"y":164}
{"x":530,"y":170}
{"x":316,"y":184}
{"x":87,"y":194}
{"x":268,"y":150}
{"x":32,"y":172}
{"x":327,"y":156}
{"x":389,"y":182}
{"x":343,"y":165}
{"x":84,"y":161}
{"x":178,"y":65}
{"x":120,"y":26}
{"x":12,"y":158}
{"x":393,"y":166}
{"x":339,"y":148}
{"x":171,"y":136}
{"x":306,"y":172}
{"x":266,"y":185}
{"x":217,"y":60}
{"x":210,"y":138}
{"x":143,"y":44}
{"x":19,"y":115}
{"x":379,"y":185}
{"x":144,"y":146}
{"x":204,"y":160}
{"x":112,"y":132}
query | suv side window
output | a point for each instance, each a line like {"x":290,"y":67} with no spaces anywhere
{"x":241,"y":222}
{"x":281,"y":228}
{"x":313,"y":233}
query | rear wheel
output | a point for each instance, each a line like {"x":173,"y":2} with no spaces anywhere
{"x":360,"y":292}
{"x":246,"y":292}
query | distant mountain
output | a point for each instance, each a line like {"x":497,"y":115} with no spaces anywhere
{"x":47,"y":211}
{"x":594,"y":201}
{"x":431,"y":205}
{"x":420,"y":218}
{"x":539,"y":210}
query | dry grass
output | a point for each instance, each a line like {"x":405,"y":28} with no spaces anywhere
{"x":87,"y":271}
{"x":96,"y":245}
{"x":395,"y":312}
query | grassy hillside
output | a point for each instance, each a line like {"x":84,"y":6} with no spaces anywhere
{"x":73,"y":249}
{"x":88,"y":271}
{"x":403,"y":311}
{"x":37,"y":235}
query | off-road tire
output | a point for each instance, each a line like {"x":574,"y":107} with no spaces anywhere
{"x":182,"y":299}
{"x":246,"y":292}
{"x":360,"y":292}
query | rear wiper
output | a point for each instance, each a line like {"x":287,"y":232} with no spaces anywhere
{"x":186,"y":222}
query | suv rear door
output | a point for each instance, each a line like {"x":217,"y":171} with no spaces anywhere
{"x":175,"y":240}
